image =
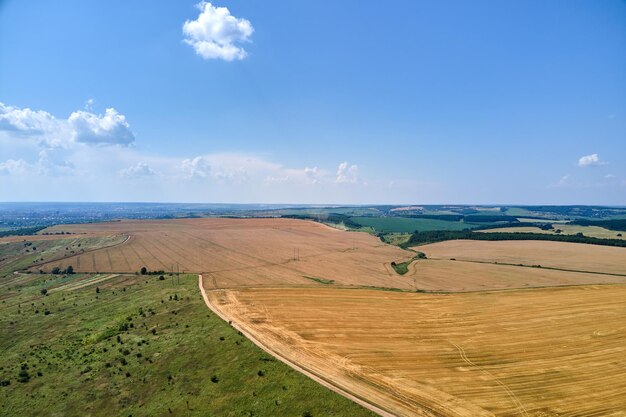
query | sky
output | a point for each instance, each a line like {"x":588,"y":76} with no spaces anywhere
{"x":325,"y":102}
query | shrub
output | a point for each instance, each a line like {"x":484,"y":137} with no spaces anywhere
{"x":44,"y":291}
{"x":143,"y":270}
{"x":215,"y":379}
{"x":23,"y":375}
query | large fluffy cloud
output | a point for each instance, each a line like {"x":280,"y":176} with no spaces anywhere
{"x":25,"y":121}
{"x":110,"y":128}
{"x":215,"y":33}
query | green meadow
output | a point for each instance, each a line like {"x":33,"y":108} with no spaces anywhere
{"x":128,"y":345}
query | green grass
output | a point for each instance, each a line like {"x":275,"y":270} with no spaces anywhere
{"x":193,"y":364}
{"x":320,"y":280}
{"x":396,"y":239}
{"x":403,"y":267}
{"x":409,"y":225}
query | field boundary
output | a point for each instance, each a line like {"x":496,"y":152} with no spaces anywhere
{"x":314,"y":376}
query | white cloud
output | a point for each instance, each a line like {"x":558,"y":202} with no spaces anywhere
{"x":590,"y":160}
{"x":24,"y":121}
{"x":609,"y":176}
{"x":110,"y":128}
{"x":347,"y":174}
{"x":139,"y":170}
{"x":51,"y":162}
{"x":197,"y":167}
{"x":565,"y":180}
{"x":215,"y":33}
{"x":48,"y":164}
{"x":14,"y":167}
{"x":81,"y":127}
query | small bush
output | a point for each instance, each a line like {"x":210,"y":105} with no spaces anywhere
{"x":23,"y":376}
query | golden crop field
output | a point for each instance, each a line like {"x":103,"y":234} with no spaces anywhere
{"x":572,"y":256}
{"x":540,"y":352}
{"x":240,"y":252}
{"x":447,"y":275}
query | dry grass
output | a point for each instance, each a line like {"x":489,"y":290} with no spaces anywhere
{"x":546,"y":352}
{"x":572,"y":256}
{"x":241,"y":252}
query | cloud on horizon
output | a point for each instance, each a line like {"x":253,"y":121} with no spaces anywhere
{"x":216,"y":33}
{"x":347,"y":173}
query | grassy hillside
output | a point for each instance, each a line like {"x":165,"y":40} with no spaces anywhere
{"x":140,"y":346}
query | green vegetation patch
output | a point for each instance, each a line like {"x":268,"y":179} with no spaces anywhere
{"x":320,"y":280}
{"x":136,"y":345}
{"x":409,"y":225}
{"x":403,"y":267}
{"x":422,"y":238}
{"x":616,"y":224}
{"x":22,"y":231}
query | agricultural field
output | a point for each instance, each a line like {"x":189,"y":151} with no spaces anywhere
{"x":442,"y":275}
{"x":22,"y":252}
{"x":241,"y":252}
{"x":557,"y":255}
{"x":546,"y":352}
{"x":565,"y":229}
{"x":477,"y":328}
{"x":120,"y":345}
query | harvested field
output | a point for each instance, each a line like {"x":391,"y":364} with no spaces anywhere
{"x":446,"y":275}
{"x":570,"y":256}
{"x":241,"y":252}
{"x":541,"y":352}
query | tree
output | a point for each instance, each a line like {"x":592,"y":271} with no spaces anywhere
{"x":69,"y":270}
{"x":44,"y":291}
{"x":143,"y":270}
{"x":56,"y":270}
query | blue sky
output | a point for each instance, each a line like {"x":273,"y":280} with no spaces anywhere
{"x":520,"y":102}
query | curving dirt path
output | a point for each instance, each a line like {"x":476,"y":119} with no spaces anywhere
{"x":317,"y":378}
